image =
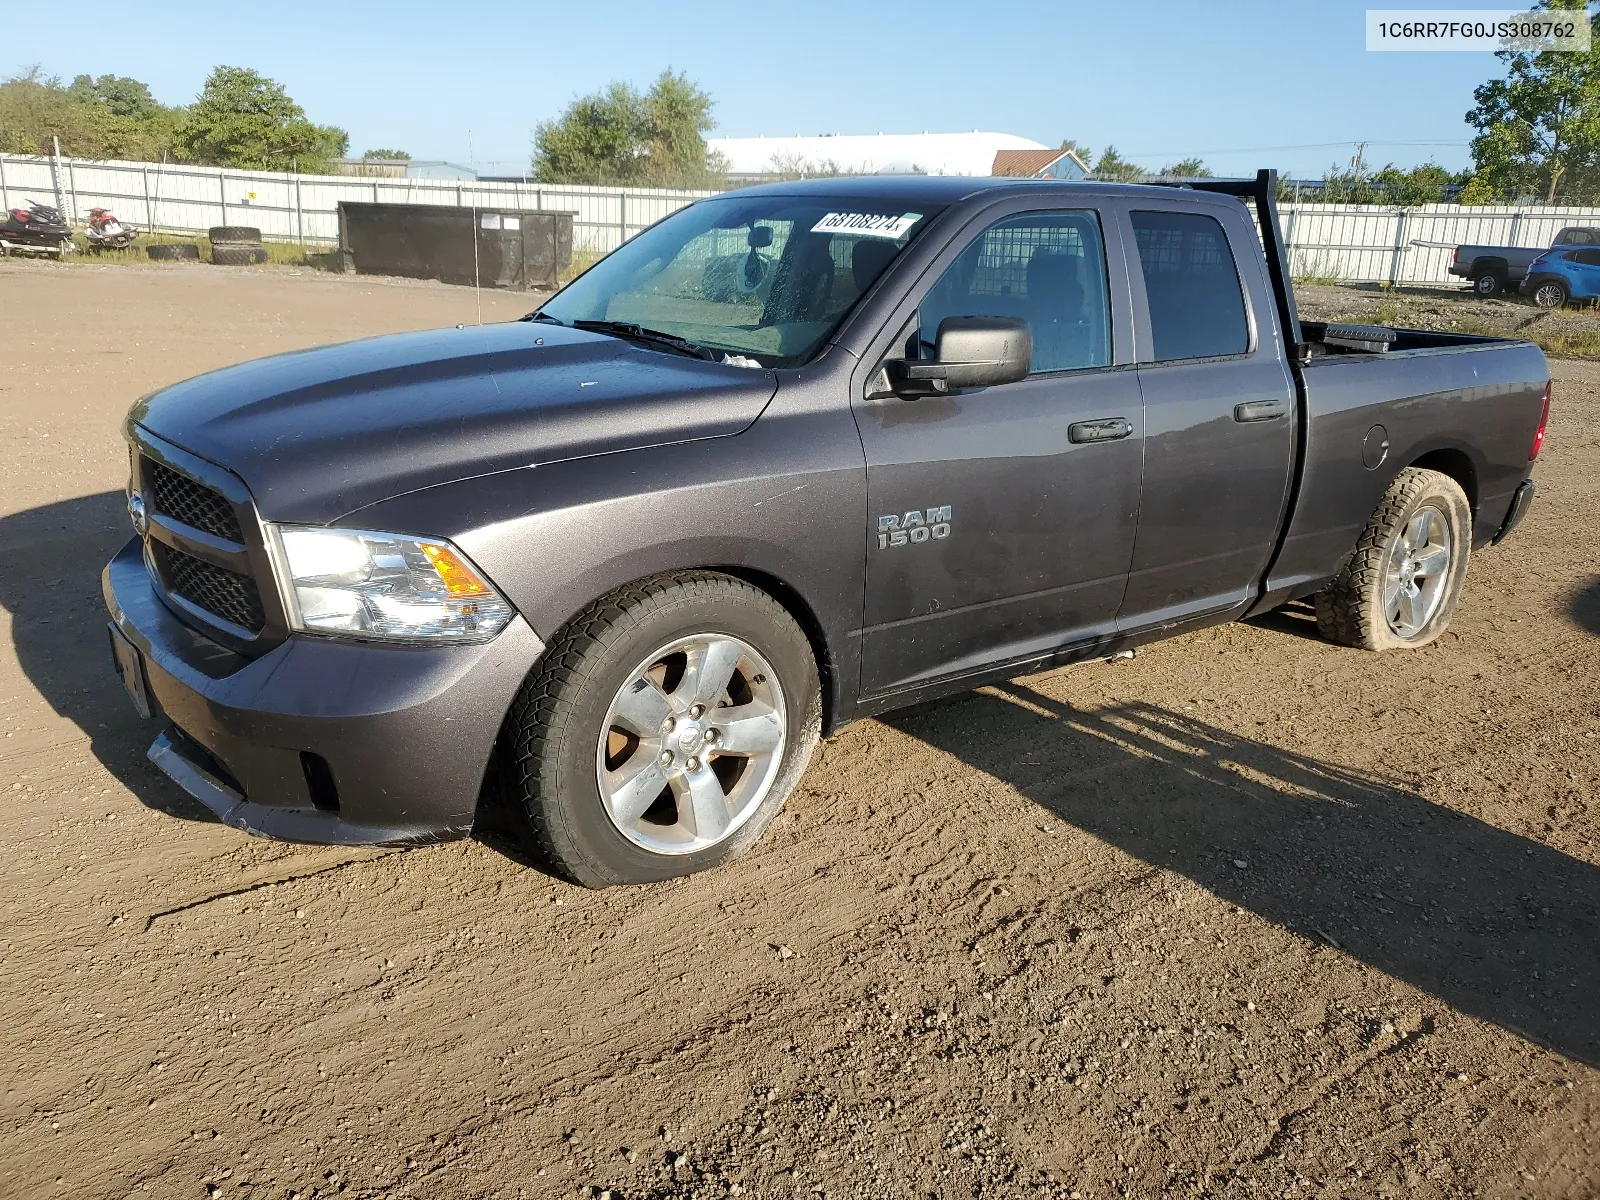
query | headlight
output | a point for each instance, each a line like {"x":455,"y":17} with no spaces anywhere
{"x":383,"y":585}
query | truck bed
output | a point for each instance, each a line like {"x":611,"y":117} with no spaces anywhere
{"x":1332,"y":339}
{"x":1375,"y":396}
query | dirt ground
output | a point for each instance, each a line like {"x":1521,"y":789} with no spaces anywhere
{"x":1248,"y":915}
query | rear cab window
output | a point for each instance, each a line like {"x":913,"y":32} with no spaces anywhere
{"x":1191,"y":286}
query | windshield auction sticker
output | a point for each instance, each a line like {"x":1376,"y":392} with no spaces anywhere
{"x":1480,"y":29}
{"x":884,"y":225}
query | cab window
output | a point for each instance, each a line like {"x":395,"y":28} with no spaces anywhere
{"x":1049,"y":268}
{"x":1191,"y":286}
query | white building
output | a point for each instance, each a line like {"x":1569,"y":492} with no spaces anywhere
{"x":868,"y":154}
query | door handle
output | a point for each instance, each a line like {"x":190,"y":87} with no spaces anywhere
{"x":1108,"y":429}
{"x":1260,"y":410}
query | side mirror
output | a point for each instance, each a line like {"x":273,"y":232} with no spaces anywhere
{"x":969,"y":352}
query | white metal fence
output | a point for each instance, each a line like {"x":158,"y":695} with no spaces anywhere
{"x":1354,"y":243}
{"x":304,"y":208}
{"x":1368,"y":243}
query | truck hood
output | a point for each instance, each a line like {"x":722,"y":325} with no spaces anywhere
{"x":318,"y":433}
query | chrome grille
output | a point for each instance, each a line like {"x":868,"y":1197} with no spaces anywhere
{"x":183,"y":499}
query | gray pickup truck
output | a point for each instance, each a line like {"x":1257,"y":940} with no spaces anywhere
{"x":1494,"y":270}
{"x":794,"y":456}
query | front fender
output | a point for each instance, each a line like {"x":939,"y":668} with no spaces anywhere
{"x":783,"y":501}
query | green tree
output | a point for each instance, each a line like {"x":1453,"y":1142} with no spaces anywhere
{"x":1427,"y":184}
{"x":120,"y":95}
{"x":34,"y":109}
{"x":1186,"y":168}
{"x":398,"y":154}
{"x":243,"y":119}
{"x":1539,"y":127}
{"x":623,"y":136}
{"x":1084,"y":153}
{"x":1113,"y":167}
{"x":1401,"y":187}
{"x":117,"y":120}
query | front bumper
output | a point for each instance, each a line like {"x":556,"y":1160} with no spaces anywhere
{"x":321,"y":740}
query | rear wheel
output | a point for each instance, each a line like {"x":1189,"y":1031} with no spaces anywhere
{"x":663,"y":729}
{"x":1488,"y":283}
{"x":1400,"y":588}
{"x":1550,"y":294}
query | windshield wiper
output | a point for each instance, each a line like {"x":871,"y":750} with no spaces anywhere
{"x":650,"y":337}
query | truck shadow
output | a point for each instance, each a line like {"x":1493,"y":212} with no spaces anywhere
{"x":1298,"y":617}
{"x":1584,"y":608}
{"x":51,"y":588}
{"x":1495,"y":925}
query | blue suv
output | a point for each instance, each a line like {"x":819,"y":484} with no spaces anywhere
{"x":1557,"y":276}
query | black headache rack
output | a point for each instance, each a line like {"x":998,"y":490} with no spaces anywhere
{"x":1263,"y":190}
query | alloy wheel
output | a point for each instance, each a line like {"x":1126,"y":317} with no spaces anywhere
{"x":1416,"y":574}
{"x":1549,"y":295}
{"x":691,"y":744}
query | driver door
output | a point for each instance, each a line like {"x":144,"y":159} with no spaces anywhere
{"x":1002,"y":519}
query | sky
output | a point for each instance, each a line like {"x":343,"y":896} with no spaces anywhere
{"x":1242,"y":84}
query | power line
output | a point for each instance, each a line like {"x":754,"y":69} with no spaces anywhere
{"x":1300,"y":146}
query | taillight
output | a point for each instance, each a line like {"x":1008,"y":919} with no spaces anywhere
{"x":1544,"y":419}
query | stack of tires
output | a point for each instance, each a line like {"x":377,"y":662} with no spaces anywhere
{"x":236,"y":246}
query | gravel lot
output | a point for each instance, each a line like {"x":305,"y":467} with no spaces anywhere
{"x":1247,"y":915}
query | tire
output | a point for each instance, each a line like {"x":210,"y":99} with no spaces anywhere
{"x":1389,"y":565}
{"x":174,"y":252}
{"x":238,"y":256}
{"x":234,"y":235}
{"x":1551,"y":293}
{"x":1489,"y":283}
{"x":566,"y":737}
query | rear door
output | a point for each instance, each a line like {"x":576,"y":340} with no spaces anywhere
{"x":1219,"y":414}
{"x":1002,"y":519}
{"x":1583,"y":272}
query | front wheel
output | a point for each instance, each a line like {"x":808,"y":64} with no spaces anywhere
{"x":1550,"y":294}
{"x":1400,"y":588}
{"x":663,"y":729}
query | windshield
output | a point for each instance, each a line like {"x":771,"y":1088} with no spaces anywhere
{"x":761,"y":277}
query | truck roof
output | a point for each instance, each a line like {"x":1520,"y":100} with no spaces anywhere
{"x":948,"y":189}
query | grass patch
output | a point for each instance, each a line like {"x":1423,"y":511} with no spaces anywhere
{"x":1314,"y":270}
{"x":1563,"y":343}
{"x":291,"y":254}
{"x":582,"y":260}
